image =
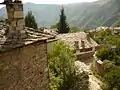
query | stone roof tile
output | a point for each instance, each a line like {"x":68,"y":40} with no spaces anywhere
{"x":32,"y":36}
{"x":70,"y":39}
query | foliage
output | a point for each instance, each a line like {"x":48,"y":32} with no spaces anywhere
{"x":110,"y":55}
{"x":106,"y":37}
{"x":62,"y":24}
{"x":111,"y":43}
{"x":2,"y":19}
{"x":62,"y":70}
{"x":117,"y":23}
{"x":55,"y":26}
{"x":88,"y":15}
{"x":30,"y":20}
{"x":108,"y":65}
{"x":102,"y":37}
{"x":74,"y":29}
{"x":104,"y":54}
{"x":112,"y":76}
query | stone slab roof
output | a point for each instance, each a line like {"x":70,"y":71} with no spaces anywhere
{"x":70,"y":39}
{"x":32,"y":36}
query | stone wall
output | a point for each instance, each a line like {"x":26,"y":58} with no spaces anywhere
{"x":99,"y":67}
{"x":50,"y":44}
{"x":84,"y":55}
{"x":25,"y":68}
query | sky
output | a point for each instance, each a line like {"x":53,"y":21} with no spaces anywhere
{"x":53,"y":1}
{"x":57,"y":1}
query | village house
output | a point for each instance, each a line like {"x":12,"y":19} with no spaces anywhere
{"x":23,"y":52}
{"x":81,"y":43}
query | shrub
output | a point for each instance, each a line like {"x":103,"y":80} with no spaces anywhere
{"x":62,"y":70}
{"x":109,"y":54}
{"x":105,"y":54}
{"x":112,"y":79}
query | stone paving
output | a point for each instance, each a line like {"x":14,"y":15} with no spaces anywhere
{"x":93,"y":81}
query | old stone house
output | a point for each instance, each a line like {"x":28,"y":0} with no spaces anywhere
{"x":23,"y":52}
{"x":81,"y":43}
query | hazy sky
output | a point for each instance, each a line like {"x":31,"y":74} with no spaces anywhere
{"x":54,"y":1}
{"x":57,"y":1}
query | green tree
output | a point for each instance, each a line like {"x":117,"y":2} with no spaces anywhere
{"x":30,"y":20}
{"x":54,"y":26}
{"x":74,"y":29}
{"x":112,"y":79}
{"x":62,"y":70}
{"x":110,"y":55}
{"x":117,"y":23}
{"x":111,"y":76}
{"x":62,"y":25}
{"x":105,"y":54}
{"x":2,"y":20}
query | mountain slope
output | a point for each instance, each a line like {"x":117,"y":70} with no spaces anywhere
{"x":85,"y":15}
{"x":105,"y":14}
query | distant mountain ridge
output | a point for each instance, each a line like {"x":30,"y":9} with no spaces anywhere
{"x":84,"y":15}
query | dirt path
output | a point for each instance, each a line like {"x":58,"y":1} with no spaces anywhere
{"x":94,"y":82}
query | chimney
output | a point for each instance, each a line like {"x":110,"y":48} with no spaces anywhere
{"x":15,"y":19}
{"x":76,"y":45}
{"x":83,"y":44}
